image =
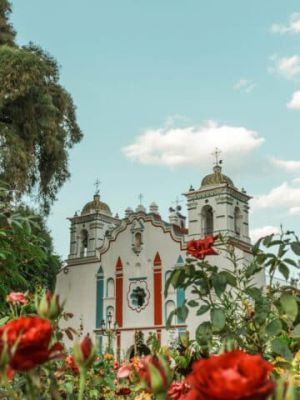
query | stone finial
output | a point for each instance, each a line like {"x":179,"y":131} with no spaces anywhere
{"x":153,"y":208}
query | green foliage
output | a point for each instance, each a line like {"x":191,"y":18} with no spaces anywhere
{"x":26,"y":253}
{"x":234,"y":310}
{"x":7,"y":33}
{"x":37,"y":119}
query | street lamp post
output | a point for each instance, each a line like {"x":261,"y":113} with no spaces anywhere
{"x":109,"y":329}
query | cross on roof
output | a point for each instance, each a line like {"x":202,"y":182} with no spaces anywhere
{"x":140,"y":196}
{"x":177,"y":201}
{"x":216,"y":154}
{"x":97,"y":186}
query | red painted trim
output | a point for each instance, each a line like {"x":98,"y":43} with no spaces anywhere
{"x":119,"y":292}
{"x":119,"y":264}
{"x":118,"y":345}
{"x":157,"y":259}
{"x":158,"y":333}
{"x":157,"y":296}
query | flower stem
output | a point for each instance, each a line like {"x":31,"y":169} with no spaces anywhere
{"x":30,"y":386}
{"x":81,"y":383}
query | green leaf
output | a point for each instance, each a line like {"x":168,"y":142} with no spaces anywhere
{"x":230,"y":278}
{"x":182,"y":313}
{"x":295,"y":246}
{"x":255,"y":293}
{"x":274,"y":327}
{"x":284,"y":270}
{"x":291,"y":262}
{"x":3,"y":320}
{"x":280,"y":347}
{"x":203,"y":309}
{"x":219,"y":283}
{"x":217,"y":317}
{"x":296,"y":331}
{"x":204,"y":332}
{"x":289,"y":305}
{"x":193,"y":303}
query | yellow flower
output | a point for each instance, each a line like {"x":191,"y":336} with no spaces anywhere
{"x":108,"y":356}
{"x":143,"y":396}
{"x":135,"y":362}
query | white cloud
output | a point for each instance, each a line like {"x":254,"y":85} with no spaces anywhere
{"x":244,"y":85}
{"x":283,"y":196}
{"x":288,"y":67}
{"x":293,"y":25}
{"x":257,"y":233}
{"x":191,"y":145}
{"x":294,"y":103}
{"x":294,"y":211}
{"x":287,"y":165}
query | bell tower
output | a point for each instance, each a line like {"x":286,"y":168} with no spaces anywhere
{"x":88,"y":230}
{"x":218,"y":207}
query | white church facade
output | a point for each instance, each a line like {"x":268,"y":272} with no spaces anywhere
{"x":117,"y":267}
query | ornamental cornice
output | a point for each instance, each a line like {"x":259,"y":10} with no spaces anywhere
{"x":155,"y":221}
{"x":217,"y":191}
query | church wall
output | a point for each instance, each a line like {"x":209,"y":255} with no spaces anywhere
{"x":138,"y":270}
{"x":78,"y":289}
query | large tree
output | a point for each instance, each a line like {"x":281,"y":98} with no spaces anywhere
{"x":37,"y":118}
{"x":27,"y":260}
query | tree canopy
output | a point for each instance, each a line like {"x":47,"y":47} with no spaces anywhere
{"x":37,"y":118}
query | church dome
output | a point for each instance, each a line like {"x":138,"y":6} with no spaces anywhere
{"x":96,"y":206}
{"x":216,"y":178}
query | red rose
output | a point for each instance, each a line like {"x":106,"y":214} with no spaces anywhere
{"x":85,"y":352}
{"x":234,"y":375}
{"x":202,"y":248}
{"x":179,"y":390}
{"x":31,"y":336}
{"x":17,"y":297}
{"x":70,"y":362}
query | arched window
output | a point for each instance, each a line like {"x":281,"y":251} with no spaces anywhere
{"x":171,"y":288}
{"x":138,"y":239}
{"x":110,"y":288}
{"x":84,"y":239}
{"x":169,"y":307}
{"x":237,"y":221}
{"x":207,"y":220}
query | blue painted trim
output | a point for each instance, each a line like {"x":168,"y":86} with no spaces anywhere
{"x":99,"y":297}
{"x":180,"y":298}
{"x":180,"y":261}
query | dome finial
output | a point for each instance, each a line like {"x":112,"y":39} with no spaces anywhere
{"x":97,"y":186}
{"x":218,"y":162}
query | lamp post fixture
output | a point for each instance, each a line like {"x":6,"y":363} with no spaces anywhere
{"x":109,"y":329}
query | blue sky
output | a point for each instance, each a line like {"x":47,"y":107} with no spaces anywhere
{"x":159,"y":84}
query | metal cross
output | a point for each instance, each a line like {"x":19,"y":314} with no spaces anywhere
{"x":141,"y":198}
{"x":177,"y":201}
{"x":216,"y":154}
{"x":97,"y":185}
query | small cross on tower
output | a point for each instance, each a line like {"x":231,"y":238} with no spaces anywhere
{"x":216,"y":154}
{"x":97,"y":186}
{"x":141,"y":198}
{"x":177,"y":202}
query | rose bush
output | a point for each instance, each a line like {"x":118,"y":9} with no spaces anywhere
{"x":28,"y":342}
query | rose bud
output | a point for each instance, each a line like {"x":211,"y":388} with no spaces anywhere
{"x":85,"y":352}
{"x":17,"y":298}
{"x":49,"y":307}
{"x":155,"y":374}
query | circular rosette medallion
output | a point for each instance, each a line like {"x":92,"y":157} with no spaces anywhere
{"x":138,"y":295}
